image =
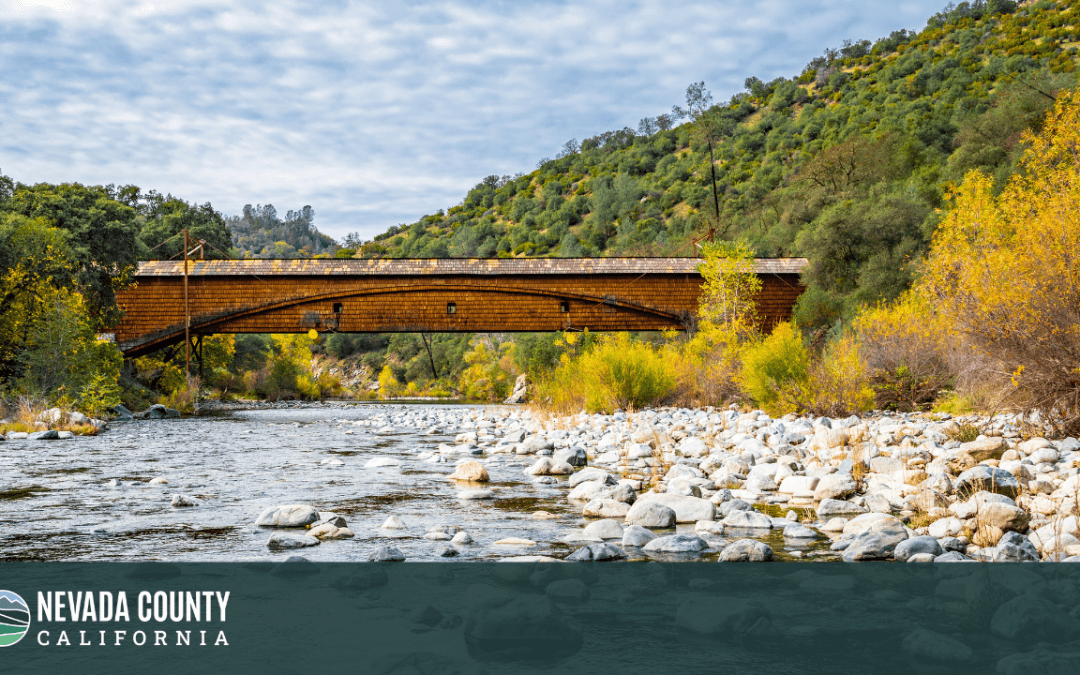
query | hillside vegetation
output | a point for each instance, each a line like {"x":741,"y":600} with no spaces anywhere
{"x":846,"y":163}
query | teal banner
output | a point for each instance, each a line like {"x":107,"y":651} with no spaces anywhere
{"x":539,"y":617}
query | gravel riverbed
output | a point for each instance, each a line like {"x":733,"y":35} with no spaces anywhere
{"x":345,"y":482}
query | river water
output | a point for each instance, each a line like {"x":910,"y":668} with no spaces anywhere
{"x":90,"y":498}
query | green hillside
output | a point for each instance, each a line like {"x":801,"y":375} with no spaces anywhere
{"x":846,"y":163}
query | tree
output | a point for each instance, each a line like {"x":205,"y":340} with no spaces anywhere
{"x":101,"y":239}
{"x":170,"y":217}
{"x":1003,"y":270}
{"x":708,"y":128}
{"x":34,"y":262}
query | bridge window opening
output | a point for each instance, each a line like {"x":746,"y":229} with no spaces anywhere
{"x":338,"y":308}
{"x":451,"y":308}
{"x":564,"y":306}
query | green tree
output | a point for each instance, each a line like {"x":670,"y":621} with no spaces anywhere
{"x":101,"y":239}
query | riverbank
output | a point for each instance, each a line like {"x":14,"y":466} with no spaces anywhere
{"x":425,"y":482}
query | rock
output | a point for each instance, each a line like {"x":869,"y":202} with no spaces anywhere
{"x":676,"y":543}
{"x":987,"y":448}
{"x":1031,"y":618}
{"x":687,"y":509}
{"x":834,"y":525}
{"x":428,"y":616}
{"x":521,"y":386}
{"x":514,"y":541}
{"x":734,"y":505}
{"x":915,"y":545}
{"x":476,"y":494}
{"x":835,"y":486}
{"x":681,"y":486}
{"x":379,"y":462}
{"x":957,"y":462}
{"x":292,"y":515}
{"x":876,"y":543}
{"x":793,"y":484}
{"x":926,"y":643}
{"x":989,"y":478}
{"x":361,"y":578}
{"x":121,"y":412}
{"x":834,"y":507}
{"x":567,"y":590}
{"x":709,"y":527}
{"x":862,"y":523}
{"x":1044,"y":659}
{"x":330,"y":531}
{"x":597,"y":552}
{"x":471,"y":471}
{"x":797,"y":531}
{"x":533,"y":445}
{"x":952,"y":556}
{"x":524,"y":619}
{"x":997,"y":511}
{"x":591,"y":473}
{"x":447,"y":551}
{"x":746,"y":550}
{"x":546,"y":467}
{"x":877,"y":503}
{"x":1014,"y":547}
{"x":637,"y":536}
{"x":751,"y":520}
{"x":921,"y":558}
{"x":605,"y":529}
{"x":574,"y":456}
{"x":394,"y":523}
{"x":623,"y":493}
{"x":280,"y":541}
{"x":710,"y":614}
{"x":180,"y":501}
{"x":586,"y":492}
{"x":158,"y":481}
{"x":386,"y":554}
{"x":945,"y":527}
{"x":650,"y":514}
{"x":47,"y":435}
{"x":606,"y":508}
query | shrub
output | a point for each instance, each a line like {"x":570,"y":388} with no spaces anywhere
{"x":775,"y":371}
{"x":614,"y":373}
{"x":907,"y":350}
{"x":839,"y":381}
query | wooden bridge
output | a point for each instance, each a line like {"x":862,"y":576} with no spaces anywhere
{"x":431,"y":296}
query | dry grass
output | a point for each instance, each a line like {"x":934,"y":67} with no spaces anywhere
{"x":965,"y":433}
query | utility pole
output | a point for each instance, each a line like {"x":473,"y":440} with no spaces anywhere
{"x":187,"y":318}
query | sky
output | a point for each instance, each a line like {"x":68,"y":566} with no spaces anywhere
{"x":374,"y":113}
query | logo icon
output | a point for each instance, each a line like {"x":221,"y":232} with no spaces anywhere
{"x":14,"y":618}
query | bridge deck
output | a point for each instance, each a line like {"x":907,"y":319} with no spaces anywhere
{"x":439,"y":295}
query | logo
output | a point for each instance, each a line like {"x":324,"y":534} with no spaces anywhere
{"x":14,"y":618}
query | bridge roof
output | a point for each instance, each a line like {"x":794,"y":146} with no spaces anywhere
{"x":451,"y":266}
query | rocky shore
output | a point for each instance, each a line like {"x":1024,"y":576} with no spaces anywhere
{"x":886,"y":487}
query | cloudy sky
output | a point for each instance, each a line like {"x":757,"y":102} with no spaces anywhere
{"x":374,"y":113}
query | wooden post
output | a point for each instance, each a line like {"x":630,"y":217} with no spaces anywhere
{"x":187,"y":318}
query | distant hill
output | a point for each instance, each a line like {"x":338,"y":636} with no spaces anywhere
{"x":260,"y":233}
{"x":846,"y":163}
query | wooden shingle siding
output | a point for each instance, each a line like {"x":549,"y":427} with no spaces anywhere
{"x":291,"y":296}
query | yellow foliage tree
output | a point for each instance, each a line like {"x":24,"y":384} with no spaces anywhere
{"x":1004,"y":271}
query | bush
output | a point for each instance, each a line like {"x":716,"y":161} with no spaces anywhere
{"x":908,"y":352}
{"x":775,"y":371}
{"x":615,"y":373}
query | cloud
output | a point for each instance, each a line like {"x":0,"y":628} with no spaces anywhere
{"x":374,"y":113}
